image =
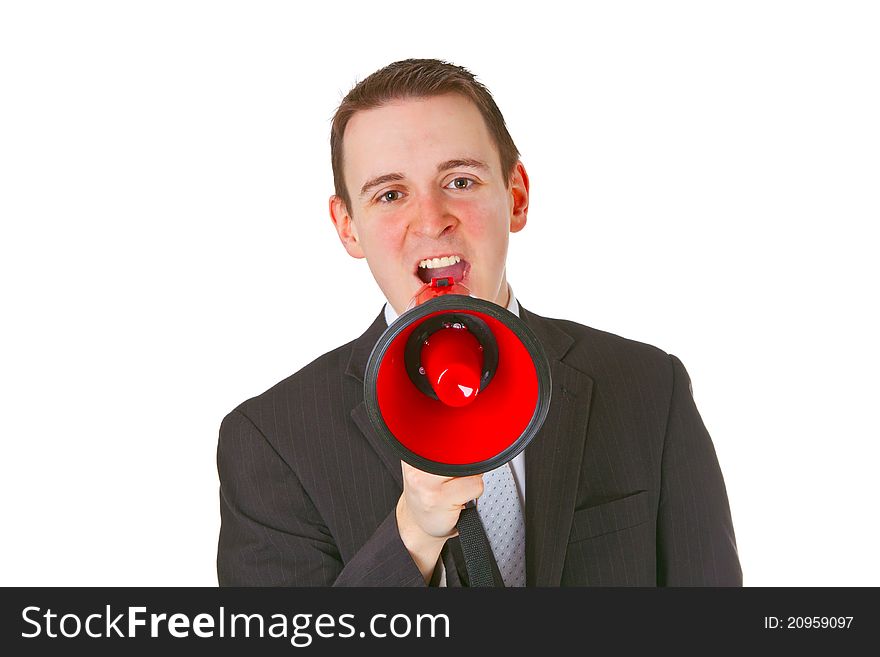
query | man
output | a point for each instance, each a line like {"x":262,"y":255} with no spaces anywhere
{"x":620,"y":487}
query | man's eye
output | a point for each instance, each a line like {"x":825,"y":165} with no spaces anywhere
{"x":390,"y":196}
{"x":461,"y":183}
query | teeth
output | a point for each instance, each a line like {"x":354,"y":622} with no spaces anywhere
{"x":434,"y":263}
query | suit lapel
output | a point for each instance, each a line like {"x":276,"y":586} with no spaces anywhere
{"x":553,"y":459}
{"x":357,"y":366}
{"x":389,"y":457}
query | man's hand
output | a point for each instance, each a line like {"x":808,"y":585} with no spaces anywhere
{"x":428,"y":510}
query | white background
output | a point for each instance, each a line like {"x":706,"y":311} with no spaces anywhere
{"x":704,"y":178}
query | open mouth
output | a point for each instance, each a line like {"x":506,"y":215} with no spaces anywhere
{"x":441,"y":267}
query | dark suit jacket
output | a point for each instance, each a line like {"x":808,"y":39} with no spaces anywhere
{"x":623,"y":486}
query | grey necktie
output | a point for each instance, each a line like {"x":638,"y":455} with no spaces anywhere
{"x":501,"y":513}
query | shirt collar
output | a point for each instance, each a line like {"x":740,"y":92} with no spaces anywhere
{"x":512,"y":306}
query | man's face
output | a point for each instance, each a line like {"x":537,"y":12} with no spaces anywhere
{"x":425,"y":182}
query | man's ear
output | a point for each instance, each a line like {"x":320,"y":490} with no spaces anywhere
{"x":345,"y":227}
{"x":519,"y":191}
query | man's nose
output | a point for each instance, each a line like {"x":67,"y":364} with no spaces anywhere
{"x":433,"y":216}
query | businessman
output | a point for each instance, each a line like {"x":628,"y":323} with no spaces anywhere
{"x":621,"y":487}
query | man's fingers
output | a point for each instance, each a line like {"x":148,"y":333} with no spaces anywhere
{"x":420,"y":477}
{"x":439,"y":491}
{"x":461,"y":490}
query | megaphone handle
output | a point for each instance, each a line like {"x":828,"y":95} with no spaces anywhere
{"x":475,"y":546}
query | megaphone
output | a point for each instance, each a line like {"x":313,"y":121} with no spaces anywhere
{"x":457,"y":385}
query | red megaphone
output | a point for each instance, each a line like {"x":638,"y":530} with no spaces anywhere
{"x":457,"y":385}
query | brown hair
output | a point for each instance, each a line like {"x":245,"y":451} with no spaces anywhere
{"x":417,"y":78}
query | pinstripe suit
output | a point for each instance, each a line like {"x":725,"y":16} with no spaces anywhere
{"x":624,"y":487}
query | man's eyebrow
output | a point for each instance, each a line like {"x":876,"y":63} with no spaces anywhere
{"x":462,"y":162}
{"x":380,"y":180}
